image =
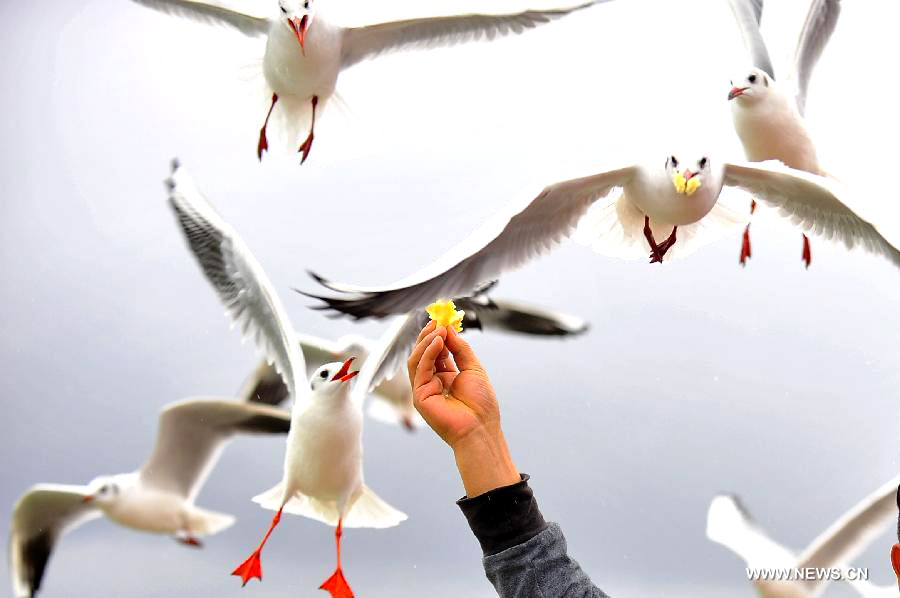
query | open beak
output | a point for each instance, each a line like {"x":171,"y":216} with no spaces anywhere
{"x":344,"y":374}
{"x":688,"y":175}
{"x":299,"y":27}
{"x":735,"y":92}
{"x":88,"y":498}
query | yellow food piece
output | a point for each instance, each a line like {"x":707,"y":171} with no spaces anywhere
{"x":692,"y":185}
{"x":679,"y":182}
{"x":444,"y":313}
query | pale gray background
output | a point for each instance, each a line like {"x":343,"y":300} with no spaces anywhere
{"x":697,"y":377}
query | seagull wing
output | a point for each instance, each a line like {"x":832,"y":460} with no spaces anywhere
{"x":264,"y":386}
{"x":211,"y":12}
{"x":820,"y":22}
{"x":40,"y":517}
{"x":847,"y":537}
{"x":389,"y":353}
{"x":821,"y":206}
{"x":192,"y":434}
{"x":238,"y":279}
{"x":361,"y":43}
{"x":729,"y":523}
{"x":520,"y":318}
{"x":507,"y":241}
{"x":748,"y":14}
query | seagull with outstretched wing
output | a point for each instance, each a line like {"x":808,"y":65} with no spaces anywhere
{"x":768,"y":115}
{"x":305,"y":53}
{"x":158,"y":498}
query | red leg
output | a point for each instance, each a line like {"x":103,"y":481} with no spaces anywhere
{"x":337,"y":585}
{"x":746,"y":251}
{"x":807,"y":252}
{"x":407,"y":422}
{"x":654,"y":248}
{"x":307,"y":145}
{"x":263,"y":144}
{"x":252,"y":567}
{"x":665,"y":246}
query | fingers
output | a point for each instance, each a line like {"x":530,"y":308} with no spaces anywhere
{"x":413,"y":361}
{"x":462,"y":352}
{"x":426,"y":368}
{"x":445,"y":363}
{"x":426,"y":331}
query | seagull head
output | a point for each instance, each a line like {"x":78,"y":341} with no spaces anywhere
{"x":298,"y":16}
{"x":687,"y":176}
{"x":751,"y":87}
{"x":331,"y":377}
{"x":103,"y":491}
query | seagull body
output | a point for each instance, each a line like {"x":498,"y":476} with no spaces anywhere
{"x":768,"y":117}
{"x":730,"y":524}
{"x":679,"y":201}
{"x":305,"y":52}
{"x":323,"y":476}
{"x":159,"y":498}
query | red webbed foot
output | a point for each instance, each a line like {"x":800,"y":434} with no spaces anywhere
{"x":249,"y":569}
{"x":660,"y":250}
{"x":263,"y":144}
{"x":337,"y":585}
{"x":190,"y":541}
{"x":306,"y":147}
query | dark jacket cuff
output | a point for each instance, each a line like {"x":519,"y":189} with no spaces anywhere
{"x":503,"y":517}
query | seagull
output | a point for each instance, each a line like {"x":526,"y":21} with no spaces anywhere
{"x":673,"y":197}
{"x":768,"y":117}
{"x":323,"y":477}
{"x":158,"y":498}
{"x":730,"y":524}
{"x":390,"y":396}
{"x":305,"y":52}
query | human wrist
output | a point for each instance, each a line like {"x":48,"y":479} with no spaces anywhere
{"x":484,"y":462}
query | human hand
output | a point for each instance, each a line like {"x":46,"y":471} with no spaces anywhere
{"x":452,"y":392}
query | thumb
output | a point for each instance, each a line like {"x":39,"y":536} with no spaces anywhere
{"x":462,"y":352}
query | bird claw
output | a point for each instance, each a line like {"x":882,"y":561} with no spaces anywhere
{"x":190,"y":541}
{"x":337,"y":585}
{"x":306,"y":147}
{"x":807,"y":252}
{"x":659,"y":251}
{"x":249,"y":569}
{"x":263,"y":144}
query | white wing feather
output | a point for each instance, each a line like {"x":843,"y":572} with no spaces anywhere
{"x":513,"y":237}
{"x":748,"y":14}
{"x":821,"y":206}
{"x":820,"y":23}
{"x":211,"y":12}
{"x":238,"y":279}
{"x":728,"y":523}
{"x":361,"y":43}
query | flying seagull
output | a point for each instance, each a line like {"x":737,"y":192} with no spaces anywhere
{"x":673,"y":197}
{"x":158,"y":498}
{"x":305,"y":52}
{"x":768,"y":115}
{"x":323,"y":477}
{"x":730,"y":524}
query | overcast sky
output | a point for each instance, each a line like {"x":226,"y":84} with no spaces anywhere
{"x":697,"y":377}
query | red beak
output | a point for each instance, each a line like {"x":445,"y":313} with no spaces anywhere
{"x":88,"y":498}
{"x":344,"y":374}
{"x":299,"y":27}
{"x":688,"y":175}
{"x":735,"y":92}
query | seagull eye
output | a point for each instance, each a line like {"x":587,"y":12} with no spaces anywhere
{"x":702,"y":162}
{"x":323,"y":374}
{"x":674,"y":162}
{"x":283,"y":11}
{"x":752,"y":78}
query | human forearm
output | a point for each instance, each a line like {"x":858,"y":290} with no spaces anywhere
{"x":484,"y":461}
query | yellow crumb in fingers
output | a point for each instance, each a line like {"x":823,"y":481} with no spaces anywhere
{"x":444,"y":313}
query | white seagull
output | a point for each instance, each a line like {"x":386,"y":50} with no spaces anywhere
{"x":305,"y":52}
{"x":768,"y":116}
{"x":673,"y":197}
{"x":729,"y":524}
{"x":323,"y":477}
{"x":390,"y":395}
{"x":157,"y":498}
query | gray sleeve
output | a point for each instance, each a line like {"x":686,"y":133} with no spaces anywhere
{"x":539,"y":568}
